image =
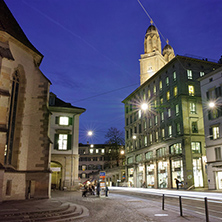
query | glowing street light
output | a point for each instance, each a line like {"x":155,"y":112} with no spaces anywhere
{"x":144,"y":106}
{"x":211,"y":104}
{"x":134,"y":137}
{"x":122,"y":152}
{"x":90,"y":133}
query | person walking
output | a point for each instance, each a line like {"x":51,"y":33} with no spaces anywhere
{"x":177,"y":183}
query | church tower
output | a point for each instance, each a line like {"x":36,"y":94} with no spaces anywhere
{"x":152,"y":60}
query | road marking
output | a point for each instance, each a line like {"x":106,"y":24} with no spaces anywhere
{"x":161,"y":215}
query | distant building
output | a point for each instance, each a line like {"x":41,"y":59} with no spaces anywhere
{"x":24,"y":115}
{"x":165,"y":138}
{"x":100,"y":157}
{"x":64,"y":133}
{"x":211,"y":91}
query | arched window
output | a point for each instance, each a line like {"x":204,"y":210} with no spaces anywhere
{"x":12,"y":117}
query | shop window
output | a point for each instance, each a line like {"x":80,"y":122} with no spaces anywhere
{"x":149,"y":155}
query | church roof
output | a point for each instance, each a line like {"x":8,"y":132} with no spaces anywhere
{"x":9,"y":24}
{"x":151,"y":28}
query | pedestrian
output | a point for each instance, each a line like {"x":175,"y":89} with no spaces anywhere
{"x":98,"y":189}
{"x":177,"y":183}
{"x":107,"y":190}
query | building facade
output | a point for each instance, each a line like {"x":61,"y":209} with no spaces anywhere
{"x":165,"y":137}
{"x":64,"y":133}
{"x":99,"y":157}
{"x":211,"y":91}
{"x":24,"y":115}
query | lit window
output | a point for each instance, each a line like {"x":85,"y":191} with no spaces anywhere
{"x":83,"y":175}
{"x":63,"y":120}
{"x":145,"y":141}
{"x":149,"y":155}
{"x":167,"y":81}
{"x":192,"y":107}
{"x":62,"y":143}
{"x":161,"y":100}
{"x":177,"y":109}
{"x":189,"y":74}
{"x":215,"y":132}
{"x":195,"y":146}
{"x":151,"y":138}
{"x":163,"y":133}
{"x":175,"y":91}
{"x":174,"y":76}
{"x":139,"y":113}
{"x":91,"y":150}
{"x":97,"y":151}
{"x":150,"y":122}
{"x":155,"y":120}
{"x":170,"y":131}
{"x":149,"y":93}
{"x":169,"y":112}
{"x":176,"y":148}
{"x":155,"y":103}
{"x":103,"y":150}
{"x":201,"y":74}
{"x":191,"y":90}
{"x":162,"y":116}
{"x":154,"y":89}
{"x":161,"y":85}
{"x":157,"y":136}
{"x":178,"y":129}
{"x":168,"y":95}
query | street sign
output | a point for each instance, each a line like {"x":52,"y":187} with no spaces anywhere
{"x":102,"y":175}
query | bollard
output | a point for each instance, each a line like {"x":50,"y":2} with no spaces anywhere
{"x":163,"y":202}
{"x":180,"y":202}
{"x":206,"y":210}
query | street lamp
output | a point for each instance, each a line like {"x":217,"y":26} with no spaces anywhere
{"x":90,"y":133}
{"x":211,"y":105}
{"x":144,"y":106}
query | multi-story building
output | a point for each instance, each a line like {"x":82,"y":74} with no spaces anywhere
{"x":100,"y":157}
{"x":24,"y":115}
{"x":164,"y":139}
{"x":64,"y":133}
{"x":211,"y":91}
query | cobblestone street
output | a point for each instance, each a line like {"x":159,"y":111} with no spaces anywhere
{"x":120,"y":208}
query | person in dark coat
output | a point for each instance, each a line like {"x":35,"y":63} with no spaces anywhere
{"x":107,"y":190}
{"x":177,"y":183}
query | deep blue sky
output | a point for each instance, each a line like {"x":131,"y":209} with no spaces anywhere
{"x":92,"y":48}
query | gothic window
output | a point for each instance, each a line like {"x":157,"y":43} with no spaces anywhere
{"x":12,"y":117}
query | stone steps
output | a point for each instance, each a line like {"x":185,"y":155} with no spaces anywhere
{"x":66,"y":212}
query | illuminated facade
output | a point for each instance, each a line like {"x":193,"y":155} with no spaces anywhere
{"x":24,"y":115}
{"x":166,"y":140}
{"x":64,"y":133}
{"x":211,"y":91}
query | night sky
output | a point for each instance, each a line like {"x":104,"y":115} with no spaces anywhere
{"x":92,"y":48}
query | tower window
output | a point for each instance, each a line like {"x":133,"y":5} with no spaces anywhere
{"x":167,"y":81}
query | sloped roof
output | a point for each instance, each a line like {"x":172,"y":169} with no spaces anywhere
{"x":9,"y":24}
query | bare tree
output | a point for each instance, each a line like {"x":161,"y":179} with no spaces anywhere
{"x":115,"y":139}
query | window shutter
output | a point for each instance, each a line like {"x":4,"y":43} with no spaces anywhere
{"x":57,"y":120}
{"x":56,"y":138}
{"x":70,"y":120}
{"x":69,"y":143}
{"x":211,"y":133}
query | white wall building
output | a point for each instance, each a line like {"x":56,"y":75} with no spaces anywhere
{"x":211,"y":92}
